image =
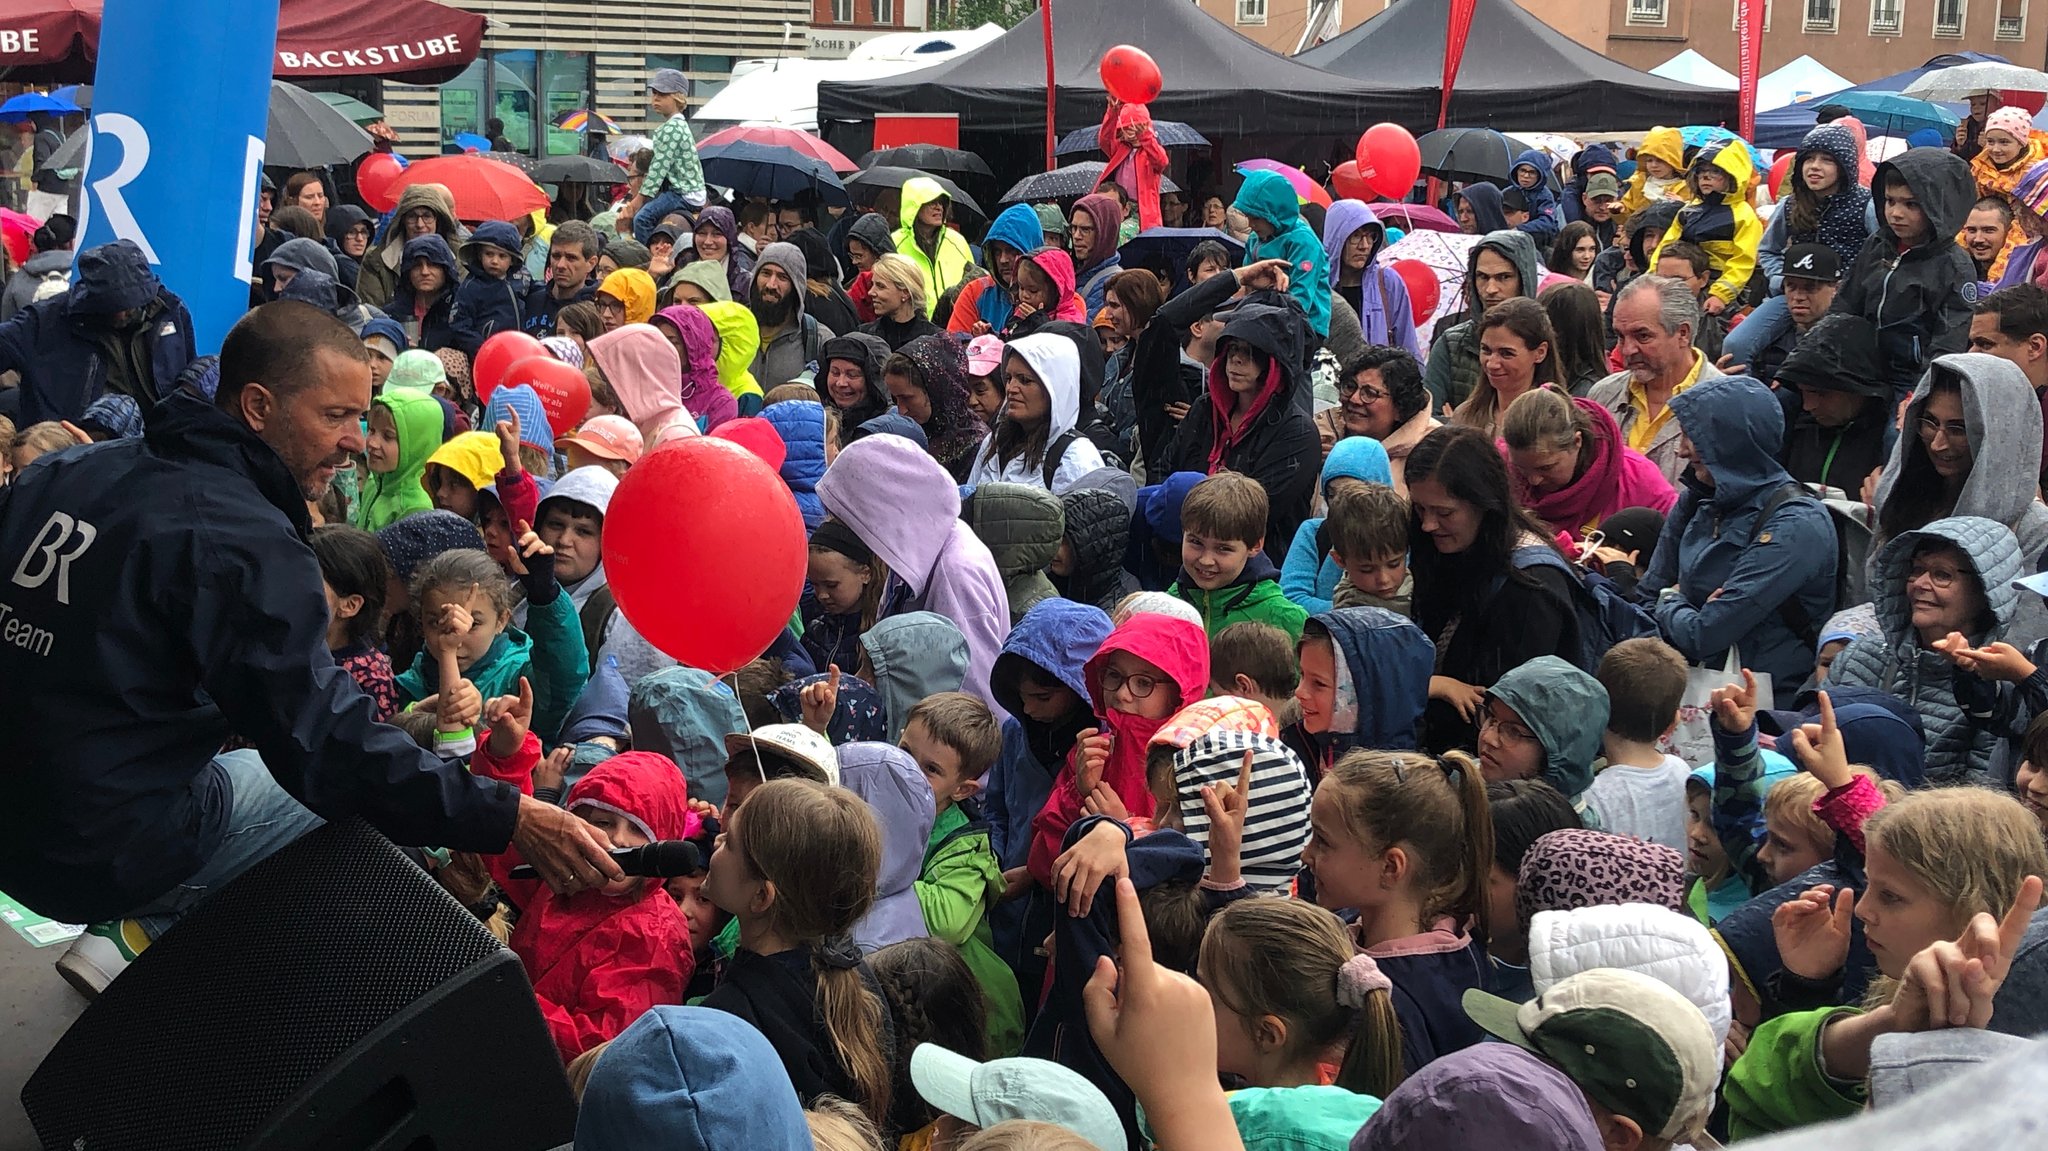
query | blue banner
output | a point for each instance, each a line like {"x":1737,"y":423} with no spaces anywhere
{"x":181,"y":101}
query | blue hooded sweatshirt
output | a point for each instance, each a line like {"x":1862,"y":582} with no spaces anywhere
{"x":487,"y":304}
{"x":1585,"y":161}
{"x":1383,"y":669}
{"x":1380,"y":297}
{"x":690,"y":1079}
{"x":1017,"y":226}
{"x":1309,"y":576}
{"x":801,"y":424}
{"x":383,"y":325}
{"x":1268,"y":196}
{"x":534,"y":430}
{"x":1543,"y":221}
{"x":897,"y":791}
{"x":434,"y":329}
{"x":1485,"y":201}
{"x":1157,"y":518}
{"x":1736,"y":426}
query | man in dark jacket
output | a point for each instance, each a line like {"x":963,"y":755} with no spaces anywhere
{"x":1911,"y":279}
{"x":161,"y":597}
{"x":572,"y":257}
{"x":117,"y":330}
{"x":1812,"y":277}
{"x":1844,"y":430}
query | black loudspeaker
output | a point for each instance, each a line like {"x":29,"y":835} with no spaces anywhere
{"x":332,"y":998}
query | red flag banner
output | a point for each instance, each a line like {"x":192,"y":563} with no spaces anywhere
{"x":1749,"y":47}
{"x":1455,"y":32}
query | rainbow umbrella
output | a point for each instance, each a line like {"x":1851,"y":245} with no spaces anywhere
{"x":578,"y":120}
{"x":1305,"y":189}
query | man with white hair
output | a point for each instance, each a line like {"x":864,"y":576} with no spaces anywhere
{"x":1654,"y":321}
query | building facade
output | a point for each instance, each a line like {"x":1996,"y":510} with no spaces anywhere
{"x":1859,"y":39}
{"x":544,"y":58}
{"x":1283,"y":25}
{"x":840,"y":26}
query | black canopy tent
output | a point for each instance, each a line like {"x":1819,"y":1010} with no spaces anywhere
{"x":1218,"y":82}
{"x":1517,"y":73}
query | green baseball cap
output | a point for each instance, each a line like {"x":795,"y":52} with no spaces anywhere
{"x":1631,"y":1043}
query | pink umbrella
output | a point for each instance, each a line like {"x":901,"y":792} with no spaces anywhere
{"x":16,"y":231}
{"x":1305,"y":189}
{"x":781,"y":137}
{"x":1415,"y":218}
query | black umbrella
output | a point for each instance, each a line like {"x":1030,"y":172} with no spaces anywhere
{"x":770,"y":172}
{"x":519,"y":160}
{"x":1467,"y":154}
{"x":1169,"y":133}
{"x":577,"y":170}
{"x":1065,"y":184}
{"x":306,"y":132}
{"x":927,"y":158}
{"x":866,"y":185}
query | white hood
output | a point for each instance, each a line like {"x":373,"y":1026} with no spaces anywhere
{"x":1057,"y":364}
{"x":1671,"y":948}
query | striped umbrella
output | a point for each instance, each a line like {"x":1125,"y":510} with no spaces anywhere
{"x":578,"y":120}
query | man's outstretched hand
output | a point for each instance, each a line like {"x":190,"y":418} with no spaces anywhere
{"x":565,"y":850}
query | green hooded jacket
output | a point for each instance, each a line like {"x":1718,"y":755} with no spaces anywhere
{"x":1254,"y":596}
{"x":948,"y":265}
{"x":1778,"y":1083}
{"x":960,"y":884}
{"x":391,"y":496}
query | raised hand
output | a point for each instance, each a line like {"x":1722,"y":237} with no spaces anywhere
{"x":509,"y":717}
{"x":1812,"y":931}
{"x":1227,"y":806}
{"x":1079,"y":871}
{"x":1955,"y":984}
{"x":1734,"y":706}
{"x":820,"y":700}
{"x":1820,"y":749}
{"x":508,"y":439}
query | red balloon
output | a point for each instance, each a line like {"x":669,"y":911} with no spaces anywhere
{"x":1780,"y":168}
{"x":1349,"y":184}
{"x":1130,"y":75}
{"x":1423,"y":289}
{"x":706,"y":552}
{"x":375,"y":177}
{"x":498,"y":354}
{"x":1389,"y":160}
{"x":564,"y":389}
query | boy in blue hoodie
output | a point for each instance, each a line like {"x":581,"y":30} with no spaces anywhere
{"x":488,"y":301}
{"x":1279,"y":233}
{"x":1530,"y":174}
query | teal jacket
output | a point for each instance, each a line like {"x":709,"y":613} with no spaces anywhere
{"x":549,"y":653}
{"x":1268,"y":196}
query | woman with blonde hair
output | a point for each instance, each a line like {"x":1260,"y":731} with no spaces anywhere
{"x":897,"y":293}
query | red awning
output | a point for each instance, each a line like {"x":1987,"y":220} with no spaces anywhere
{"x":411,"y":41}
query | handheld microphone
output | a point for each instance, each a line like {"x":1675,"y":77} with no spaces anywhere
{"x":662,"y":859}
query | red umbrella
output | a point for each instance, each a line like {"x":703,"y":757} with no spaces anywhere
{"x":803,"y":142}
{"x":483,"y":188}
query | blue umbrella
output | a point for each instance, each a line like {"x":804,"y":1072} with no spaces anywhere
{"x":1170,"y":247}
{"x":1701,"y":135}
{"x":1891,"y":114}
{"x":1169,"y":133}
{"x":770,"y":172}
{"x":17,"y":109}
{"x":470,"y":140}
{"x":76,"y":94}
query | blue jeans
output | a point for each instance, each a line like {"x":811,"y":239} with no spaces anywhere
{"x":262,"y":819}
{"x":1766,"y":323}
{"x":648,"y":218}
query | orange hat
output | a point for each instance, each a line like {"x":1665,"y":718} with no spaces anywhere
{"x":612,"y":437}
{"x":1102,"y":319}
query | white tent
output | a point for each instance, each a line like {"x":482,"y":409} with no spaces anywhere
{"x":1802,"y":79}
{"x":1689,"y":67}
{"x":784,"y":91}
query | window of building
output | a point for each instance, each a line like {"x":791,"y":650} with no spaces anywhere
{"x":1735,"y":21}
{"x":565,"y":87}
{"x":2012,"y":20}
{"x":885,"y":11}
{"x":1251,"y":12}
{"x":842,"y":11}
{"x":1821,"y":15}
{"x":1887,"y":17}
{"x":708,"y":75}
{"x":1648,"y":13}
{"x":1948,"y":17}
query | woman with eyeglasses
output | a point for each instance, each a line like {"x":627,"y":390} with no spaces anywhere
{"x":1380,"y":395}
{"x":1952,"y":578}
{"x":1969,"y":445}
{"x":423,"y":209}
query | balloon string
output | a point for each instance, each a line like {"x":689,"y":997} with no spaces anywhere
{"x":753,"y":745}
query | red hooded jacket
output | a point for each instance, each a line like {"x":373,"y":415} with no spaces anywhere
{"x":1148,"y":162}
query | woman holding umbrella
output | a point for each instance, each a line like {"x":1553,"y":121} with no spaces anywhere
{"x":1136,"y":159}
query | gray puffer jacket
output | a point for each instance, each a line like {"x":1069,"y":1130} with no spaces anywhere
{"x":1958,"y":752}
{"x":1022,"y":526}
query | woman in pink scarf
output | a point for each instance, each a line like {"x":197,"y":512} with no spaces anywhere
{"x":696,"y":342}
{"x":1570,"y":466}
{"x":1136,"y":161}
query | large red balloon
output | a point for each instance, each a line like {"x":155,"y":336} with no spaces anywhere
{"x":1130,"y":75}
{"x":1389,"y":160}
{"x":1349,"y":184}
{"x":375,"y":177}
{"x":496,"y":356}
{"x":1423,"y":289}
{"x":564,"y":389}
{"x":1780,"y":168}
{"x":705,"y":551}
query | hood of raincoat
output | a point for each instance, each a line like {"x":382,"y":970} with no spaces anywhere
{"x":690,"y":1079}
{"x":901,"y":797}
{"x":591,"y":486}
{"x":1268,"y":196}
{"x":388,"y":496}
{"x":1485,"y":201}
{"x":1017,"y":226}
{"x":1058,"y":267}
{"x":645,"y":373}
{"x":685,"y":714}
{"x":475,"y":456}
{"x":1737,"y":427}
{"x":1989,"y":549}
{"x":706,"y":398}
{"x":431,"y":248}
{"x":1666,"y":144}
{"x":790,"y":259}
{"x":1097,"y":522}
{"x":1021,"y":524}
{"x":301,"y":255}
{"x":801,"y":423}
{"x":1173,"y":645}
{"x":2004,"y":420}
{"x":1669,"y":946}
{"x":1059,"y":636}
{"x":1731,"y":157}
{"x":521,"y":400}
{"x":898,"y":500}
{"x":954,"y":429}
{"x":1057,"y":365}
{"x":1344,"y":218}
{"x":385,"y":326}
{"x":914,"y":654}
{"x":645,"y":788}
{"x":1276,"y":824}
{"x":917,"y":192}
{"x":1383,"y":671}
{"x":1278,"y":331}
{"x":495,"y":234}
{"x":1837,"y":354}
{"x":1358,"y":458}
{"x":706,"y":275}
{"x":874,"y":231}
{"x":719,"y":216}
{"x":1567,"y":709}
{"x":739,"y":339}
{"x":1535,"y":158}
{"x":1512,"y":245}
{"x":1102,"y":208}
{"x":1940,"y":180}
{"x":633,"y":288}
{"x":1838,"y":144}
{"x":342,"y":217}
